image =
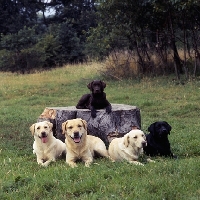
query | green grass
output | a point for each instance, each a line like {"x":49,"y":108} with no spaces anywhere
{"x":24,"y":97}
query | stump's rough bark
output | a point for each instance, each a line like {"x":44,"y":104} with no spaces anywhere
{"x":121,"y":120}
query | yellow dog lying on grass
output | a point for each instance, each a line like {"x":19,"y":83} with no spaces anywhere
{"x":129,"y":147}
{"x":79,"y":145}
{"x":46,"y":147}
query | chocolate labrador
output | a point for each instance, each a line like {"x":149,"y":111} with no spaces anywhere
{"x":96,"y":99}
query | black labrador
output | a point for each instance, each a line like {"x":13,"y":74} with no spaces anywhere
{"x":96,"y":99}
{"x":157,"y":140}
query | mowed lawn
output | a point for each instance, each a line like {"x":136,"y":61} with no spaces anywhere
{"x":24,"y":97}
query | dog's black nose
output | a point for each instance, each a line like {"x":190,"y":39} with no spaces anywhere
{"x":76,"y":134}
{"x":164,"y":130}
{"x":43,"y":134}
{"x":97,"y":90}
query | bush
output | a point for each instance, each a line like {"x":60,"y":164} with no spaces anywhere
{"x":24,"y":61}
{"x":126,"y":64}
{"x":50,"y":46}
{"x":121,"y":64}
{"x":5,"y":60}
{"x":26,"y":51}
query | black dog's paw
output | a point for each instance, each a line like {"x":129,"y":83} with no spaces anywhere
{"x":108,"y":109}
{"x":93,"y":113}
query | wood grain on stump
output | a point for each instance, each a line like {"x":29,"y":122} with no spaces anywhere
{"x":121,"y":120}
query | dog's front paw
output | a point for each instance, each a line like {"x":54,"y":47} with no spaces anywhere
{"x":136,"y":163}
{"x":72,"y":164}
{"x":149,"y":160}
{"x":93,"y":114}
{"x":87,"y":164}
{"x":108,"y":109}
{"x":175,"y":156}
{"x":45,"y":164}
{"x":40,"y":161}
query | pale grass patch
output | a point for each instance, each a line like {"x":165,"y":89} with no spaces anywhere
{"x":67,"y":73}
{"x":12,"y":83}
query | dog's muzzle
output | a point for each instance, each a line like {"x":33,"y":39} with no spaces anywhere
{"x":97,"y":90}
{"x":43,"y":137}
{"x":76,"y":138}
{"x":163,"y":133}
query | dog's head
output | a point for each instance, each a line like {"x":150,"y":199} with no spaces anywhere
{"x":42,"y":130}
{"x":160,"y":129}
{"x":75,"y":130}
{"x":136,"y":139}
{"x":96,"y":86}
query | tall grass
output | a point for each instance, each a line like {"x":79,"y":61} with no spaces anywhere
{"x":122,"y":64}
{"x":24,"y":97}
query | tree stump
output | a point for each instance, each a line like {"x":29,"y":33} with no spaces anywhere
{"x":121,"y":120}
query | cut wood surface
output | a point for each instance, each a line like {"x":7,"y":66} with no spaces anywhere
{"x":121,"y":120}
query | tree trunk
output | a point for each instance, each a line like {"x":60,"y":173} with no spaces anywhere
{"x":121,"y":120}
{"x":177,"y":60}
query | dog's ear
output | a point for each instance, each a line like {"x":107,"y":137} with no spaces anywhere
{"x":103,"y":84}
{"x":49,"y":124}
{"x":32,"y":129}
{"x":126,"y":140}
{"x":52,"y":113}
{"x":151,"y":128}
{"x":64,"y":127}
{"x":169,"y":128}
{"x":90,"y":85}
{"x":84,"y":123}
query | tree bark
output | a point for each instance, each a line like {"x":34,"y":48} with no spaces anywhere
{"x":121,"y":120}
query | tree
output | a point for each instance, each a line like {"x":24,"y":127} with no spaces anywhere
{"x":149,"y":25}
{"x":66,"y":43}
{"x":15,"y":14}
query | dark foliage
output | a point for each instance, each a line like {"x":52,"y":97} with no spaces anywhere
{"x":42,"y":35}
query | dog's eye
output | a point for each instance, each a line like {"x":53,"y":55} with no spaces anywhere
{"x":158,"y":126}
{"x":45,"y":127}
{"x":135,"y":137}
{"x":79,"y":126}
{"x":38,"y":128}
{"x":70,"y":127}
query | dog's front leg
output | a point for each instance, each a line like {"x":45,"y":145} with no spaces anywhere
{"x":70,"y":161}
{"x":88,"y":162}
{"x":93,"y":111}
{"x":108,"y":109}
{"x":40,"y":159}
{"x":88,"y":159}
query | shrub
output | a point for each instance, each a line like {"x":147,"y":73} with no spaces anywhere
{"x":126,"y":64}
{"x":24,"y":61}
{"x":6,"y":60}
{"x":121,"y":64}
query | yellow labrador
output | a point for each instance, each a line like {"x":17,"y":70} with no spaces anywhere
{"x":46,"y":147}
{"x":128,"y":147}
{"x":79,"y":145}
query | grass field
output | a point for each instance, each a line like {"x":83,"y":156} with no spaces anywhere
{"x":24,"y":97}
